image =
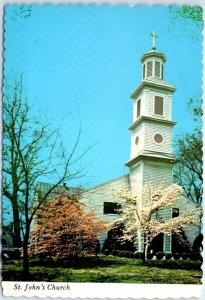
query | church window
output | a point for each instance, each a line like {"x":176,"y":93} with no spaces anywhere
{"x":149,"y":68}
{"x":143,"y":71}
{"x":158,"y":138}
{"x":111,"y":208}
{"x":175,"y":212}
{"x":158,"y":106}
{"x":157,"y":69}
{"x":138,"y":107}
{"x":137,"y":140}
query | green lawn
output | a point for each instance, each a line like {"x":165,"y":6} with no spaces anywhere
{"x":106,"y":269}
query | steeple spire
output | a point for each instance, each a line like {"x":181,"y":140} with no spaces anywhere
{"x":154,"y":36}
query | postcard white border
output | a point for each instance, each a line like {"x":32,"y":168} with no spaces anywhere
{"x":100,"y":290}
{"x":104,"y":290}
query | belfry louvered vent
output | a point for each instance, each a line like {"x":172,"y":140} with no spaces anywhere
{"x":158,"y":106}
{"x":157,"y":69}
{"x":149,"y":68}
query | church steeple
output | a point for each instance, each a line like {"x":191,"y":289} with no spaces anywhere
{"x":151,"y":130}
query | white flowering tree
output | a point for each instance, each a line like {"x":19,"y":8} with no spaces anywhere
{"x":139,"y":212}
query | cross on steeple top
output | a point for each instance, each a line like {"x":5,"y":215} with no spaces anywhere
{"x":154,"y":36}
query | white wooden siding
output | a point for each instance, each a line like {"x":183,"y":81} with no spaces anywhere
{"x":94,"y":201}
{"x":193,"y":231}
{"x":147,"y":105}
{"x":94,"y":198}
{"x":165,"y":131}
{"x":135,"y":149}
{"x":136,"y":180}
{"x":165,"y":213}
{"x":157,"y":172}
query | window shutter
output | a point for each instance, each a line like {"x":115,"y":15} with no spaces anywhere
{"x":138,"y":107}
{"x":162,"y":76}
{"x":157,"y":69}
{"x":167,"y":242}
{"x":149,"y":68}
{"x":143,"y":71}
{"x":158,"y":106}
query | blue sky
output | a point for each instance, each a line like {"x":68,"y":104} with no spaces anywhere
{"x":80,"y":63}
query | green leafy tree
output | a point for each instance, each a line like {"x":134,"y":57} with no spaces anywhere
{"x":183,"y":15}
{"x":188,"y":169}
{"x":194,"y":13}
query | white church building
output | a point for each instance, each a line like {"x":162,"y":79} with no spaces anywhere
{"x":151,"y":157}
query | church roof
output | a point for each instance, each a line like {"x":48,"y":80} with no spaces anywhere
{"x":107,"y":182}
{"x":43,"y":187}
{"x":153,"y":53}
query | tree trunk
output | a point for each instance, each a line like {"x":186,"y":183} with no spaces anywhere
{"x":146,"y":245}
{"x":25,"y":255}
{"x":16,"y":227}
{"x":146,"y":251}
{"x":144,"y":248}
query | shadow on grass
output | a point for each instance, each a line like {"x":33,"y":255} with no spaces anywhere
{"x":88,"y":262}
{"x":37,"y":275}
{"x":176,"y":264}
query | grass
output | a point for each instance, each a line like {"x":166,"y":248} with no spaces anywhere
{"x":106,"y":269}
